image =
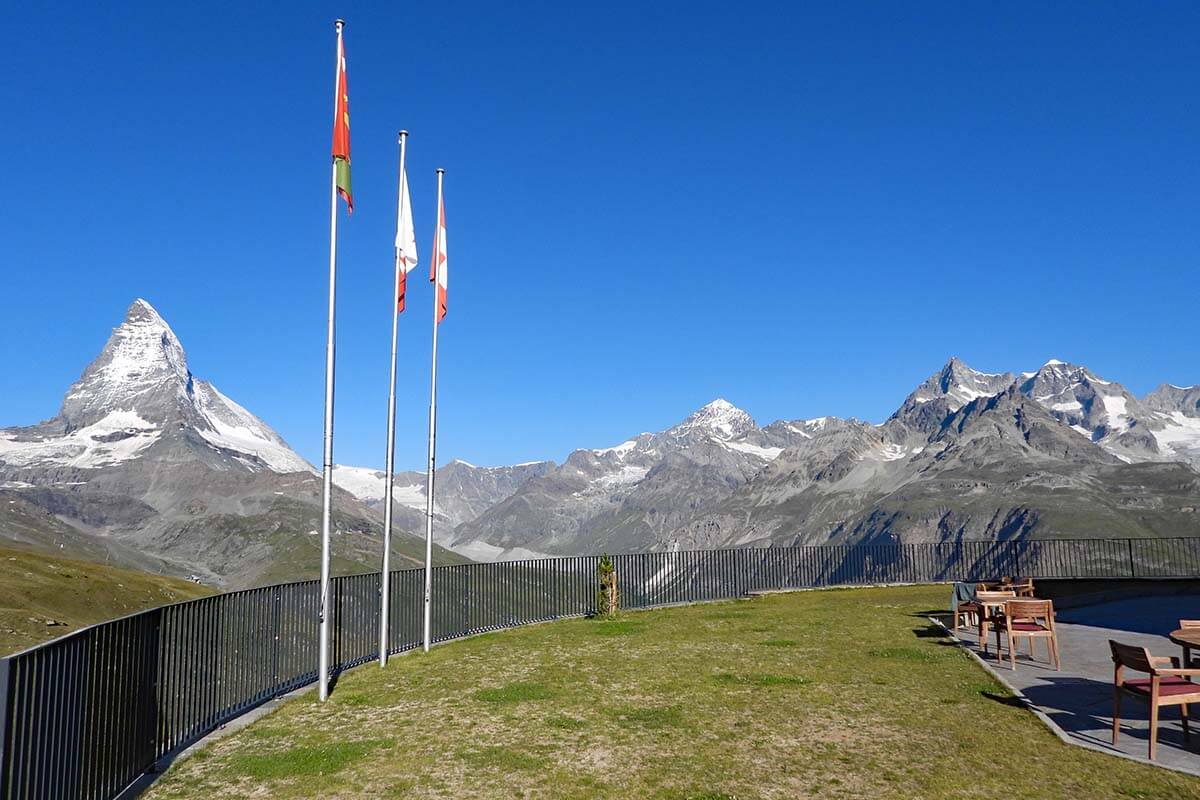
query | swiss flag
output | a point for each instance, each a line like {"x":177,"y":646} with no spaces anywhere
{"x":437,"y":268}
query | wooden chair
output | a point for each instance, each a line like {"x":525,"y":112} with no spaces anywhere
{"x":1171,"y":686}
{"x":1032,"y":620}
{"x":986,"y":600}
{"x":968,"y":608}
{"x":1023,"y":587}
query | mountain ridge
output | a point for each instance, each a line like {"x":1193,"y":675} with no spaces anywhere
{"x":853,"y":481}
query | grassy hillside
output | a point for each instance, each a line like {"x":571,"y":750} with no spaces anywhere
{"x":836,"y":694}
{"x":43,"y":596}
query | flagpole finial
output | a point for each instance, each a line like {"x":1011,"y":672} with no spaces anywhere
{"x":440,"y":170}
{"x":403,"y":133}
{"x":339,"y":23}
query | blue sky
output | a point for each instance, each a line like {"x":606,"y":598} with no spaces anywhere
{"x":803,"y":210}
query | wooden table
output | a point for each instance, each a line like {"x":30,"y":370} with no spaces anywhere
{"x":1187,"y":638}
{"x":988,"y":611}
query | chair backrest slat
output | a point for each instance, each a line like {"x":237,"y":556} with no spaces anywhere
{"x":1021,"y":610}
{"x":1127,"y":655}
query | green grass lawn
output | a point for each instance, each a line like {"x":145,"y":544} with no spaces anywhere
{"x":819,"y":694}
{"x":44,"y":596}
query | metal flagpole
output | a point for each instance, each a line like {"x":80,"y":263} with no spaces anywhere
{"x":432,"y":422}
{"x":327,"y":461}
{"x":390,"y":459}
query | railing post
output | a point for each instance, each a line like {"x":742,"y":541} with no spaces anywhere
{"x":154,"y":702}
{"x":1132,"y":567}
{"x":5,"y":674}
{"x":276,"y":623}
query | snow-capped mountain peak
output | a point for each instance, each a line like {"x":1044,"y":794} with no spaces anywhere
{"x":1058,"y":384}
{"x":136,"y":392}
{"x":958,"y":384}
{"x":1100,"y":410}
{"x":142,"y":368}
{"x":719,"y":419}
{"x":1058,"y":376}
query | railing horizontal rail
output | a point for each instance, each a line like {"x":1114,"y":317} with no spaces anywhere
{"x":85,"y":715}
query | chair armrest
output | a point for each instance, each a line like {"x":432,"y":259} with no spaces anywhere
{"x":1179,"y":673}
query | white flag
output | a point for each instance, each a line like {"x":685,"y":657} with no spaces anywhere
{"x":406,"y":239}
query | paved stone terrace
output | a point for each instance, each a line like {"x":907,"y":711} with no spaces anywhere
{"x":1079,"y":699}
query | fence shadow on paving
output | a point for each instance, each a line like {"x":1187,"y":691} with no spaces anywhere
{"x":86,"y":715}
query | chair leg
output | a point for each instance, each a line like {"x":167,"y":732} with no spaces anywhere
{"x":1183,"y":714}
{"x":1116,"y":715}
{"x":1054,"y":650}
{"x":1012,"y":651}
{"x":1153,"y":730}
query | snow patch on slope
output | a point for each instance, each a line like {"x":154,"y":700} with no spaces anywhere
{"x":625,"y":476}
{"x":118,"y":436}
{"x":1114,"y":407}
{"x":1180,"y":436}
{"x":369,"y":485}
{"x":235,"y":428}
{"x":620,"y":450}
{"x":769,"y":453}
{"x":480,"y":550}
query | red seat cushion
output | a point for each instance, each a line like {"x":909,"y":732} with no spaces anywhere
{"x":970,"y":605}
{"x":1028,"y":626}
{"x":1170,"y":685}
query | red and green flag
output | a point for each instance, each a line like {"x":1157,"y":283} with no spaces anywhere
{"x":341,"y":131}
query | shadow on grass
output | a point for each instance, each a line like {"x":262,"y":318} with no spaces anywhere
{"x":935,"y":634}
{"x":1003,"y":699}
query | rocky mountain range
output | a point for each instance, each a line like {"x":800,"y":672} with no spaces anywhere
{"x":147,"y":465}
{"x":463,"y":492}
{"x":1056,"y":452}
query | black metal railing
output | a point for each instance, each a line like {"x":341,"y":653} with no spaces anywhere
{"x":85,"y":715}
